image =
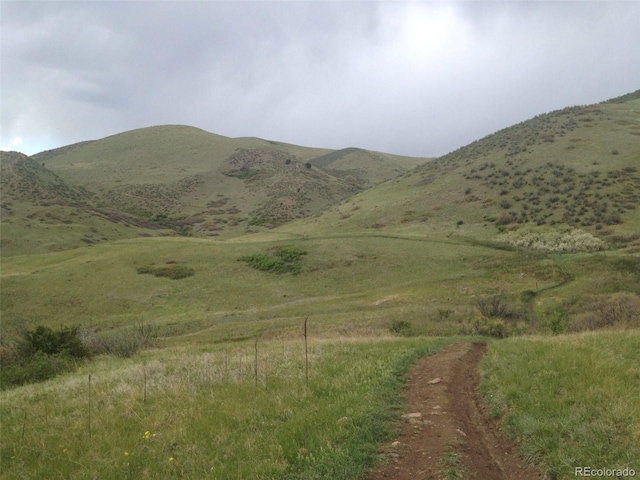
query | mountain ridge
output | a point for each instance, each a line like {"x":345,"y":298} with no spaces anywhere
{"x":576,"y":166}
{"x":177,"y":179}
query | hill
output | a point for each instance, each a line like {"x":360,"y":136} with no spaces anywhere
{"x":578,"y":167}
{"x":42,"y":213}
{"x":209,"y":185}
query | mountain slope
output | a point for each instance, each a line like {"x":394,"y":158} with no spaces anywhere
{"x":40,"y":212}
{"x":205,"y":184}
{"x":579,"y":166}
{"x":23,"y":178}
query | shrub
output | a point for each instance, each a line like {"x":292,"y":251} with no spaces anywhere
{"x":490,"y":328}
{"x":285,"y":260}
{"x":494,"y":307}
{"x":556,"y":323}
{"x":400,"y":327}
{"x":600,"y":311}
{"x":43,"y":339}
{"x":290,"y":254}
{"x":554,"y":240}
{"x":38,"y":368}
{"x":174,"y":272}
{"x":506,"y":219}
{"x":122,"y":343}
{"x":42,"y":353}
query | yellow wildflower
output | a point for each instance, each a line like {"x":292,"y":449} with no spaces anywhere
{"x":126,"y":454}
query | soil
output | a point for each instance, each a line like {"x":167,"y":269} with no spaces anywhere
{"x":446,"y":431}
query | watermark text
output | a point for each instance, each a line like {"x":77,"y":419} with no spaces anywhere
{"x":604,"y":472}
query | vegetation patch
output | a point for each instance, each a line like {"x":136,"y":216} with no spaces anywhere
{"x":453,"y":468}
{"x":283,"y":260}
{"x":40,"y":354}
{"x":554,"y":240}
{"x":607,"y":310}
{"x":400,"y":327}
{"x":172,"y":271}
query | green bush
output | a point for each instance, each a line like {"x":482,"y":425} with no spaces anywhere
{"x":174,"y":272}
{"x":491,"y":328}
{"x":556,"y":323}
{"x":40,"y":354}
{"x":43,"y":339}
{"x":37,"y":368}
{"x":400,"y":327}
{"x":290,"y":254}
{"x":284,"y":260}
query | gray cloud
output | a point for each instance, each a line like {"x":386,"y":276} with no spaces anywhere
{"x":414,"y":78}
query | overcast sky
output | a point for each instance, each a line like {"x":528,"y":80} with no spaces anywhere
{"x":412,"y":78}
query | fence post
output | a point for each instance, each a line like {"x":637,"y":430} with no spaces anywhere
{"x":89,"y":408}
{"x":255,"y":363}
{"x":306,"y":353}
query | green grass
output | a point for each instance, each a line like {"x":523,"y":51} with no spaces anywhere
{"x":346,"y":284}
{"x":453,"y":467}
{"x":572,"y":401}
{"x":192,"y":412}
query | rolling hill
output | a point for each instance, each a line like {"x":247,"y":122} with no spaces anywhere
{"x":208,"y":185}
{"x":43,"y":213}
{"x":578,"y":167}
{"x":566,"y":181}
{"x":170,"y":180}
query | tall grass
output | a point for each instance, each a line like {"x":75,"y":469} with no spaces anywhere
{"x":573,"y":401}
{"x":181,"y":413}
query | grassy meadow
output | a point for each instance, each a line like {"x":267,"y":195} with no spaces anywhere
{"x":209,"y":411}
{"x":347,"y":285}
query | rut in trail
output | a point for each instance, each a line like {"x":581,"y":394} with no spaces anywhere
{"x":446,"y":425}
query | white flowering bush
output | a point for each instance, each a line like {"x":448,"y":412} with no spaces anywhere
{"x":554,"y":240}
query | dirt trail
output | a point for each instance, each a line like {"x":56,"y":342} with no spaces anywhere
{"x":446,"y":427}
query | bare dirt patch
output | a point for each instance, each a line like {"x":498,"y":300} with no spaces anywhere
{"x":446,"y":432}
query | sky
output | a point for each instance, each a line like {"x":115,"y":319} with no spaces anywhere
{"x":416,"y":78}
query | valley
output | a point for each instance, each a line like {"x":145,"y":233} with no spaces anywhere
{"x":265,"y":301}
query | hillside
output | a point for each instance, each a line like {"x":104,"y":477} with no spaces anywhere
{"x":577,"y":167}
{"x":40,"y":212}
{"x":209,"y":185}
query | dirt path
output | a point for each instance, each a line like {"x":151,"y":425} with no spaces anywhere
{"x":446,"y":432}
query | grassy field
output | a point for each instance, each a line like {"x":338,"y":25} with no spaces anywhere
{"x":572,"y":401}
{"x":347,"y":284}
{"x":197,"y":411}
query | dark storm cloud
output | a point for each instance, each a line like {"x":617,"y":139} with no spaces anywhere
{"x":415,"y":78}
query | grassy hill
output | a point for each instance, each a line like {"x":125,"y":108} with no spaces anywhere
{"x":577,"y":167}
{"x":43,"y":213}
{"x":208,"y":185}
